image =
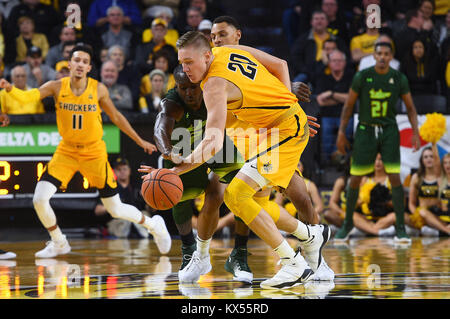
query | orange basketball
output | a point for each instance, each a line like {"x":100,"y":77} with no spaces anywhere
{"x":162,"y":189}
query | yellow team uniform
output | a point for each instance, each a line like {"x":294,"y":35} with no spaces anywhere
{"x":266,"y":104}
{"x":81,"y":149}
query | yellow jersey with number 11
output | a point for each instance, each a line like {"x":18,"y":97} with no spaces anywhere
{"x":79,"y":117}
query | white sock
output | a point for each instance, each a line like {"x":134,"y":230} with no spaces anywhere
{"x":302,"y":231}
{"x":203,"y":246}
{"x":285,"y":250}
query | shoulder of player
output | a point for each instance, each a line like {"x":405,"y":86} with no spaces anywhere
{"x":102,"y":90}
{"x":214,"y":82}
{"x":365,"y":73}
{"x":172,"y":107}
{"x":54,"y":86}
{"x":398,"y":73}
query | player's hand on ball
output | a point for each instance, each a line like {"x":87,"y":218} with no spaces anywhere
{"x":312,"y":121}
{"x":145,"y":169}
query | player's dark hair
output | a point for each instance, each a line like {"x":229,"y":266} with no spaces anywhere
{"x":193,"y":38}
{"x":179,"y":74}
{"x":384,"y":44}
{"x":84,"y":48}
{"x":228,"y":20}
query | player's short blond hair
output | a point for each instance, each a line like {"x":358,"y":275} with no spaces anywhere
{"x":193,"y":38}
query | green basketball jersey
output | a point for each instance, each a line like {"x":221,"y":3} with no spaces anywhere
{"x":379,"y":94}
{"x":193,"y":120}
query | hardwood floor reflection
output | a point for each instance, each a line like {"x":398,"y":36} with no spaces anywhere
{"x":365,"y":268}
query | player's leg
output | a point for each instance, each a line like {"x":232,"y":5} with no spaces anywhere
{"x":390,"y":153}
{"x":298,"y":195}
{"x":59,"y":171}
{"x":285,"y":157}
{"x":352,"y":194}
{"x":208,"y":217}
{"x":155,"y":225}
{"x":224,"y":166}
{"x":239,"y":198}
{"x":194,"y":184}
{"x":107,"y":187}
{"x":237,"y":263}
{"x":182,"y":215}
{"x":94,"y":166}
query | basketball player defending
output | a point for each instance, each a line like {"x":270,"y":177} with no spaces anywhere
{"x":241,"y":79}
{"x":226,"y":31}
{"x":79,"y":103}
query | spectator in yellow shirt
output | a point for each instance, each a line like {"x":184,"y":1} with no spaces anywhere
{"x":12,"y":106}
{"x":363,"y":45}
{"x":28,"y":38}
{"x":165,"y":13}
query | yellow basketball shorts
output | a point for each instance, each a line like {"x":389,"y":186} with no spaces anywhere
{"x":90,"y":160}
{"x":279,"y":153}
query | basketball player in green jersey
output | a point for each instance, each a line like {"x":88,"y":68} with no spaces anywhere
{"x":183,"y":107}
{"x":378,"y":89}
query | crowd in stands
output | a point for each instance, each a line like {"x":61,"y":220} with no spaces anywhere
{"x":140,"y":36}
{"x":417,"y":29}
{"x":134,"y":44}
{"x":135,"y":52}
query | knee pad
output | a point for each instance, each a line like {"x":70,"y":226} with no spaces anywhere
{"x":43,"y":192}
{"x":238,"y":197}
{"x":41,"y":202}
{"x":112,"y":205}
{"x":269,"y":206}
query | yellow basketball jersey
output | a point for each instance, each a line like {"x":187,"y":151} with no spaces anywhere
{"x":264,"y":97}
{"x":79,"y":117}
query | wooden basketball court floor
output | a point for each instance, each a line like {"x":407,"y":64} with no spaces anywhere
{"x":121,"y":268}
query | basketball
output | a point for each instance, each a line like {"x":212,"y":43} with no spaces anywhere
{"x":162,"y":189}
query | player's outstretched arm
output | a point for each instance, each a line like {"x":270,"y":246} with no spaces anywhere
{"x":119,"y":120}
{"x":278,"y":67}
{"x":347,"y":111}
{"x":164,"y":124}
{"x":50,"y":88}
{"x":215,"y":97}
{"x":412,"y":117}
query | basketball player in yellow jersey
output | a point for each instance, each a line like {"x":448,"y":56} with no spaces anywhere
{"x":256,"y":87}
{"x":79,"y":103}
{"x":226,"y":31}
